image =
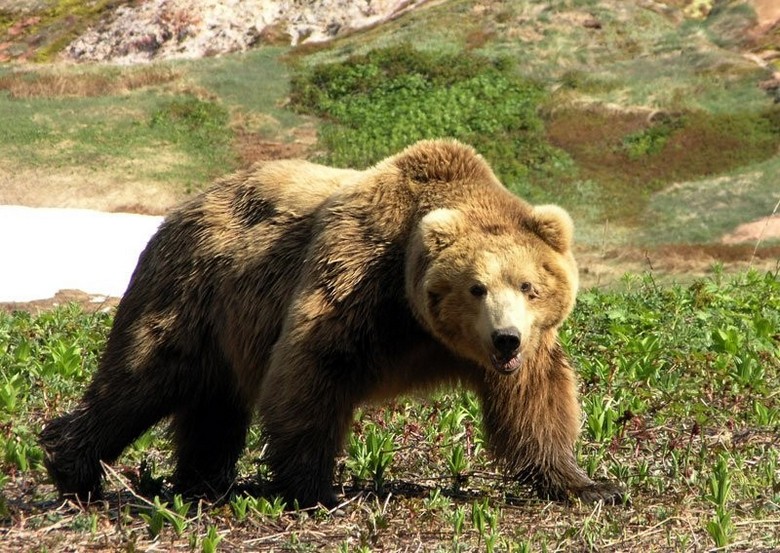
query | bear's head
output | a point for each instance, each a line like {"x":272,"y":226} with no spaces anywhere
{"x":491,"y":292}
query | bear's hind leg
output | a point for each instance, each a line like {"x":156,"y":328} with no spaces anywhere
{"x":70,"y":457}
{"x":119,"y":405}
{"x":210,"y":434}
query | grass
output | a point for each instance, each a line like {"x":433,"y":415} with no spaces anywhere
{"x":255,"y":82}
{"x":633,"y":155}
{"x":93,"y":133}
{"x":97,"y":118}
{"x":184,"y":120}
{"x":85,"y":83}
{"x":702,"y":211}
{"x":679,"y":389}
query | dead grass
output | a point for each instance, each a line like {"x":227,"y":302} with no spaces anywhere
{"x":603,"y":267}
{"x":114,"y":187}
{"x":84,"y":84}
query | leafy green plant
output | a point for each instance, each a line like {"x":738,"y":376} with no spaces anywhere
{"x":243,"y":505}
{"x":18,"y":453}
{"x":66,"y":360}
{"x":720,"y":528}
{"x":485,"y":521}
{"x":380,"y":102}
{"x":659,"y":367}
{"x":85,"y":523}
{"x":159,"y":514}
{"x":269,"y":509}
{"x":178,"y":515}
{"x":765,"y":416}
{"x":240,"y":505}
{"x":452,"y":421}
{"x":155,"y":517}
{"x":652,"y":140}
{"x":211,"y":540}
{"x":371,"y":455}
{"x":458,"y":518}
{"x":457,"y":464}
{"x":600,"y":418}
{"x":9,"y":394}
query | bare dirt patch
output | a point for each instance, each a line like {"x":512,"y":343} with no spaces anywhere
{"x":252,"y":148}
{"x":767,"y":11}
{"x":766,"y":228}
{"x":682,"y":262}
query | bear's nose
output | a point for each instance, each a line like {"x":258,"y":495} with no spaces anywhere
{"x":506,"y":340}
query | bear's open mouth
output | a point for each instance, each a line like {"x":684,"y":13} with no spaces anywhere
{"x":505,"y":365}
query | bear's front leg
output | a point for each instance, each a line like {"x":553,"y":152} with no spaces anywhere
{"x":532,"y":418}
{"x":305,"y":412}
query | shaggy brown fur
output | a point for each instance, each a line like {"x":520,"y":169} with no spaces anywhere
{"x":304,"y":291}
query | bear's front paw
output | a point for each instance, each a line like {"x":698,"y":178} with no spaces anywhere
{"x":605,"y":491}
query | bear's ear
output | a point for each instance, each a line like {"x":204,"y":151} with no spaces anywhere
{"x":553,"y":225}
{"x":440,"y":228}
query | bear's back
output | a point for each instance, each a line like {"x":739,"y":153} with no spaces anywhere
{"x":297,"y":186}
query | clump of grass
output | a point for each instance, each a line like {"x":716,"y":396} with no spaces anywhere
{"x":650,"y":141}
{"x":376,"y":104}
{"x":370,"y":456}
{"x":84,"y":84}
{"x":200,"y":128}
{"x":159,"y":515}
{"x":720,"y":528}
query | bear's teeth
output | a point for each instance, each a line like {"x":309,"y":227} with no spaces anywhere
{"x":505,"y":366}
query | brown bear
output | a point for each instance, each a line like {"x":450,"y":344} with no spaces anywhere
{"x":303,"y":291}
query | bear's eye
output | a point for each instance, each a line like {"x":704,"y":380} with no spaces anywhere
{"x":530,"y":289}
{"x":478,"y":290}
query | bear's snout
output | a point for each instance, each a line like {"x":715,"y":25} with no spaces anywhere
{"x":506,"y":342}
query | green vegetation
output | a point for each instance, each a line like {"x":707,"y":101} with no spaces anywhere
{"x":200,"y":129}
{"x":597,"y":106}
{"x":702,"y":211}
{"x":172,"y":126}
{"x":100,"y":134}
{"x":650,"y":141}
{"x":680,"y":403}
{"x":378,"y":103}
{"x":253,"y":84}
{"x":633,"y":155}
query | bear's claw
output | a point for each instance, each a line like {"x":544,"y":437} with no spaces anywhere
{"x":609,"y":493}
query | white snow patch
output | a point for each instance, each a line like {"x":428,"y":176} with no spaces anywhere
{"x":44,"y":250}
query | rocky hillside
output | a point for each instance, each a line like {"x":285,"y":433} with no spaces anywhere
{"x":197,"y":28}
{"x":131,"y":32}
